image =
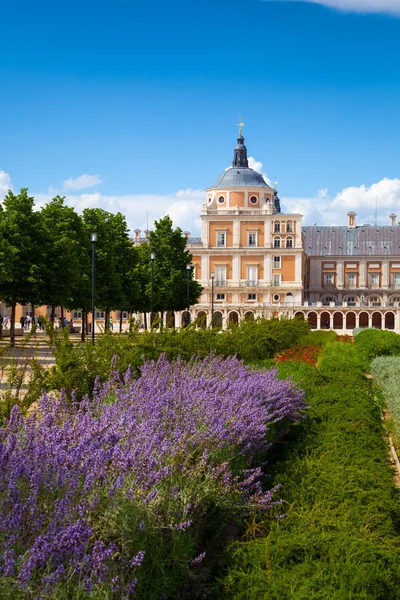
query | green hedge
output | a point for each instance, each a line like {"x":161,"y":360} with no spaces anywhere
{"x":340,"y":537}
{"x":375,"y":342}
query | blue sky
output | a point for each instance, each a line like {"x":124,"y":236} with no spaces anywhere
{"x":133,"y":104}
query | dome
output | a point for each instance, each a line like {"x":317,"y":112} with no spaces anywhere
{"x":240,"y":177}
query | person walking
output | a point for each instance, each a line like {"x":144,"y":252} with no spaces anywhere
{"x":110,"y":324}
{"x":22,"y":322}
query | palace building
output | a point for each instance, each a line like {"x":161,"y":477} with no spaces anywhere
{"x":253,"y":260}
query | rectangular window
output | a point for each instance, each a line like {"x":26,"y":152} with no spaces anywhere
{"x":276,"y":282}
{"x":277,"y":242}
{"x":77,"y":314}
{"x":220,"y":273}
{"x":277,"y":262}
{"x":252,"y":239}
{"x":220,"y":296}
{"x":252,"y":276}
{"x":329,"y":278}
{"x":374,"y":280}
{"x":289,"y":243}
{"x":99,"y":314}
{"x":351,"y":280}
{"x":277,"y":227}
{"x":289,"y":227}
{"x":396,"y":280}
{"x":221,"y":239}
{"x":251,"y":296}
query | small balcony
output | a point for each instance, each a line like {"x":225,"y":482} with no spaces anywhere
{"x":251,"y":282}
{"x":220,"y":283}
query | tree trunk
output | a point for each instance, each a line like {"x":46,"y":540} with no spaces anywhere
{"x":12,"y":324}
{"x":120,"y":321}
{"x":62,"y":317}
{"x":87,"y":323}
{"x":53,"y":310}
{"x":83,"y":322}
{"x":145,"y":320}
{"x":107,"y":320}
{"x":162,"y":319}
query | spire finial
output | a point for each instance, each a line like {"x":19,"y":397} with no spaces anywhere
{"x":240,"y":125}
{"x":275,"y":182}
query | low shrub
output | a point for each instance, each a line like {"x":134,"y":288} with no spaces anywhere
{"x":386,"y":372}
{"x":375,"y":342}
{"x":338,"y":360}
{"x":119,"y":495}
{"x":319,"y":338}
{"x":340,"y":537}
{"x":77,"y":366}
{"x":308,"y":354}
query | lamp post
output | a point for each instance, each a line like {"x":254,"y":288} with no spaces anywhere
{"x":188,"y":269}
{"x":152,"y":257}
{"x":212,"y":300}
{"x":93,"y":239}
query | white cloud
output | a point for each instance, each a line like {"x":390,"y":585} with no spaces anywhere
{"x":141,"y":210}
{"x":5,"y":184}
{"x":363,"y":6}
{"x":81,"y":183}
{"x":258,"y":166}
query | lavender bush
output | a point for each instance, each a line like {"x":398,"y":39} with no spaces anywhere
{"x":111,"y":498}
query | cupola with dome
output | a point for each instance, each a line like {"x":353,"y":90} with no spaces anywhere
{"x":242,"y":186}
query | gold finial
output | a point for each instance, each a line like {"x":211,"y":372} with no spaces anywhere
{"x":240,"y":125}
{"x":275,"y":182}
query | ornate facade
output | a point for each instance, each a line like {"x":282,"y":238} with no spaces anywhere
{"x":253,"y":260}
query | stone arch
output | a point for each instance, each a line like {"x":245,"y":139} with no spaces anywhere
{"x":394,"y":301}
{"x":217,"y":320}
{"x":312,"y":320}
{"x":364,"y":320}
{"x":350,"y":300}
{"x":390,"y":320}
{"x":289,"y":297}
{"x":170,"y":319}
{"x":374,"y":300}
{"x":350,"y":320}
{"x":201,"y":319}
{"x":325,"y":320}
{"x":233,"y":318}
{"x":377,"y":320}
{"x":338,"y":320}
{"x":185,"y":318}
{"x":326,"y":300}
{"x":299,"y":316}
{"x":249,"y":315}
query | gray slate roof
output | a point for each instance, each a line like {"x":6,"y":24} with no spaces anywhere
{"x":240,"y":177}
{"x":361,"y":241}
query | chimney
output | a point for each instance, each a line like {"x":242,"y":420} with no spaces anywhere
{"x":352,"y":220}
{"x":393,"y":219}
{"x":186,"y":234}
{"x":137,"y":233}
{"x":146,"y":233}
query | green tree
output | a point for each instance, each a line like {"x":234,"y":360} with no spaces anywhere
{"x":21,"y":257}
{"x":170,"y":268}
{"x":114,"y":259}
{"x":64,"y":254}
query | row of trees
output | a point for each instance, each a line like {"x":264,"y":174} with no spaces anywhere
{"x":45,"y":259}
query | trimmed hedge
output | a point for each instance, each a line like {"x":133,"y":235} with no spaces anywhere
{"x":375,"y":342}
{"x":340,"y":537}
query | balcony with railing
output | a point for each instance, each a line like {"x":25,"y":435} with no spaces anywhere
{"x":220,"y":282}
{"x":251,"y":282}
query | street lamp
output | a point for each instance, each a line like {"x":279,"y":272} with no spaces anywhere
{"x":212,"y":300}
{"x":93,"y":239}
{"x":188,"y":270}
{"x":152,"y":258}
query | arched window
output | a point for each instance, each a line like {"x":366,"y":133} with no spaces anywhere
{"x":277,"y":242}
{"x":289,"y":242}
{"x":277,"y":227}
{"x":289,"y":227}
